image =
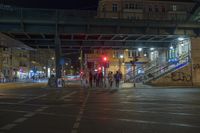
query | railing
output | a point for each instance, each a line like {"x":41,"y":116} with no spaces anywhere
{"x":161,"y":70}
{"x":155,"y":70}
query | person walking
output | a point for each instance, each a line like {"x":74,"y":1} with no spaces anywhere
{"x":117,"y":78}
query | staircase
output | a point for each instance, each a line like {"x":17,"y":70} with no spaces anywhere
{"x":153,"y":71}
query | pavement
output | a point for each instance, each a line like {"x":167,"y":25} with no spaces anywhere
{"x":99,"y":110}
{"x":14,"y":85}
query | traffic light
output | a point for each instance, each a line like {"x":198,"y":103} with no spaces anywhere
{"x":105,"y":59}
{"x":99,"y":68}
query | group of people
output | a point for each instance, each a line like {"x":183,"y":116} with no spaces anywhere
{"x":117,"y":77}
{"x":98,"y":79}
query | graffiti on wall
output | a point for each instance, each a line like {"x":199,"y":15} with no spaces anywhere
{"x":181,"y":76}
{"x":196,"y":66}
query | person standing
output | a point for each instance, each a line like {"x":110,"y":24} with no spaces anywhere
{"x":117,"y":78}
{"x":110,"y":79}
{"x":90,"y":78}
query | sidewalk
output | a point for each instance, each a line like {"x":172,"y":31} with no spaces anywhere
{"x":15,"y":85}
{"x":131,"y":86}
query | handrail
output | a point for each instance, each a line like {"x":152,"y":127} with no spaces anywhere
{"x":159,"y":71}
{"x":158,"y":68}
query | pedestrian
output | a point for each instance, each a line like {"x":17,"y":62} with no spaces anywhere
{"x":110,"y":79}
{"x":90,"y":78}
{"x":85,"y":81}
{"x":117,"y":77}
{"x":100,"y":79}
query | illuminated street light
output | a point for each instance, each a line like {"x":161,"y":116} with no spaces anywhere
{"x":171,"y":47}
{"x":139,"y":49}
{"x":145,"y":55}
{"x":121,"y":56}
{"x":152,"y":49}
{"x":180,"y":38}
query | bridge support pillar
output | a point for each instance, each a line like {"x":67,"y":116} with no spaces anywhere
{"x":58,"y":56}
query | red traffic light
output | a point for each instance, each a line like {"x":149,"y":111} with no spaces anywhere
{"x":99,"y":68}
{"x":105,"y":59}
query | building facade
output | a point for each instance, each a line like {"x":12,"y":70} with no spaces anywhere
{"x":18,"y":64}
{"x":144,"y":9}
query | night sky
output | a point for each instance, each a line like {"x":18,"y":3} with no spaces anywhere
{"x":64,"y":4}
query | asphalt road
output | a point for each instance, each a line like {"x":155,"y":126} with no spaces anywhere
{"x":76,"y":110}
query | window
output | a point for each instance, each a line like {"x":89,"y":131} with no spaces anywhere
{"x":174,"y":7}
{"x":114,"y":7}
{"x":150,"y":9}
{"x":126,"y":6}
{"x":156,"y":8}
{"x":103,"y":7}
{"x":163,"y":9}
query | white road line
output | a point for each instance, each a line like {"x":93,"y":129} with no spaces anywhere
{"x":34,"y":98}
{"x":39,"y":110}
{"x":8,"y":127}
{"x":74,"y":131}
{"x":30,"y":114}
{"x":81,"y":112}
{"x":44,"y":107}
{"x":17,"y":111}
{"x":78,"y":118}
{"x":68,"y":95}
{"x":76,"y":125}
{"x":20,"y":120}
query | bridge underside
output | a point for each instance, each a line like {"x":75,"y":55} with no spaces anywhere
{"x":92,"y":41}
{"x":75,"y":30}
{"x":40,"y":28}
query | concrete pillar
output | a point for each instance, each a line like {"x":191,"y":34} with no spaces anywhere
{"x":195,"y":50}
{"x":58,"y":56}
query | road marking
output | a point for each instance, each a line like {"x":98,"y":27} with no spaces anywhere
{"x":67,"y":96}
{"x":76,"y":125}
{"x":45,"y":107}
{"x":30,"y":114}
{"x":81,"y":112}
{"x":39,"y":110}
{"x":74,"y":131}
{"x":78,"y":118}
{"x":34,"y":98}
{"x":17,"y":111}
{"x":20,"y":120}
{"x":8,"y":127}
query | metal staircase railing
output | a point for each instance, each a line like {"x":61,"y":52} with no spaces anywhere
{"x":166,"y":68}
{"x":156,"y":70}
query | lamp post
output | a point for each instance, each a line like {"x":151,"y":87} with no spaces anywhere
{"x":120,"y":61}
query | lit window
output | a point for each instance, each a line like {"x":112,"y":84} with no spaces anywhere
{"x":174,"y":7}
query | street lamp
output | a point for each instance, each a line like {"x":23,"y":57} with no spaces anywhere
{"x":139,"y":49}
{"x":180,"y":38}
